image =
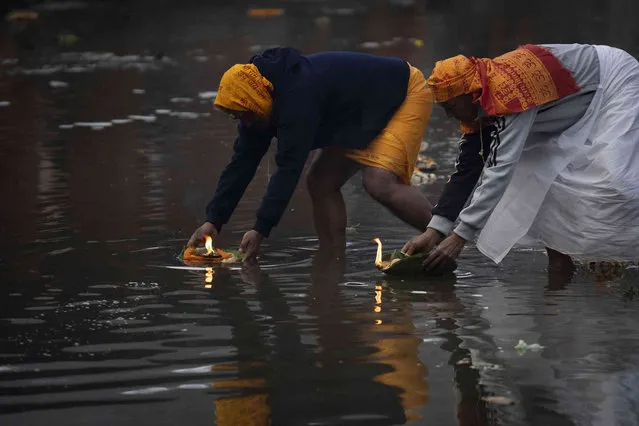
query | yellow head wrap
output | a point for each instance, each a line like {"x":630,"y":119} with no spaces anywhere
{"x":243,"y":88}
{"x":453,"y":77}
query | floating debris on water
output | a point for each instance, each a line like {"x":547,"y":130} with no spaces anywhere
{"x":184,"y":114}
{"x":522,"y":347}
{"x":207,"y":95}
{"x":264,"y":13}
{"x":98,"y":125}
{"x":194,"y":386}
{"x":58,"y":84}
{"x":45,"y":70}
{"x":146,"y":391}
{"x":146,"y":118}
{"x":201,"y":58}
{"x":499,"y":400}
{"x":138,"y":91}
{"x":352,"y":228}
{"x":606,"y":270}
{"x":4,"y":103}
{"x":370,"y":45}
{"x":420,"y":178}
{"x":78,"y":69}
{"x":181,"y":100}
{"x":21,"y":15}
{"x":75,"y":62}
{"x":426,"y":164}
{"x":61,"y":5}
{"x":67,"y":39}
{"x":205,"y":369}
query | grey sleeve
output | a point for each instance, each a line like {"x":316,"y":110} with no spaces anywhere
{"x":507,"y":144}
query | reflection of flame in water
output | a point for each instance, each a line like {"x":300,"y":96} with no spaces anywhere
{"x":378,"y":302}
{"x":250,"y":410}
{"x":378,"y":258}
{"x":398,"y":348}
{"x":208,"y":278}
{"x":208,"y":244}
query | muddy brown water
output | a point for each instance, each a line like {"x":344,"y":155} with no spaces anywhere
{"x":109,"y":151}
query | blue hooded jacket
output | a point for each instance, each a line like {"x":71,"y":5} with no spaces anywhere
{"x":340,"y":99}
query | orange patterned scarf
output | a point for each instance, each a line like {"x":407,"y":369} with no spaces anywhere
{"x":514,"y":82}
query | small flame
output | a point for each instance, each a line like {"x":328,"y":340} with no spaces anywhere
{"x":208,"y":245}
{"x":378,"y":258}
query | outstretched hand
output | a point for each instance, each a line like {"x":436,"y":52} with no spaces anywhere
{"x":444,"y":255}
{"x":197,"y":239}
{"x":250,"y":245}
{"x":423,"y":243}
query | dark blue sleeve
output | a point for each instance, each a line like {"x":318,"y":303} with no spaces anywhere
{"x":468,"y":169}
{"x":296,"y":130}
{"x":248,"y":150}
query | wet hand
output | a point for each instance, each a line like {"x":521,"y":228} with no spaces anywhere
{"x":423,"y":243}
{"x":197,"y":239}
{"x":250,"y":245}
{"x":445,"y":253}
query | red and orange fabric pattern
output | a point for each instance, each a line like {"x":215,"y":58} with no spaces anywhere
{"x":514,"y":82}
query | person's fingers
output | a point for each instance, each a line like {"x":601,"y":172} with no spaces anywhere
{"x":193,"y":240}
{"x":433,"y":262}
{"x":409,"y":248}
{"x":251,"y":252}
{"x":429,"y":260}
{"x":439,"y":262}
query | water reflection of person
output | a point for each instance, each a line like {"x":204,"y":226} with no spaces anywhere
{"x":355,"y":359}
{"x":403,"y":353}
{"x":342,"y":382}
{"x":285,"y":381}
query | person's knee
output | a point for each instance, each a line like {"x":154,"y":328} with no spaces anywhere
{"x":320,"y":183}
{"x":314,"y":182}
{"x":380,"y":184}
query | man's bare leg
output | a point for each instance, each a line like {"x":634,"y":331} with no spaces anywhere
{"x":328,"y":173}
{"x":404,"y":201}
{"x":561,"y":269}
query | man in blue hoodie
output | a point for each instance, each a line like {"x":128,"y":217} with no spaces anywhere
{"x":364,"y":112}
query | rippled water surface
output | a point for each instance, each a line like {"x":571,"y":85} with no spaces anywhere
{"x":109,"y":151}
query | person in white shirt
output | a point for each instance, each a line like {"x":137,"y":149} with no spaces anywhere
{"x":560,"y":154}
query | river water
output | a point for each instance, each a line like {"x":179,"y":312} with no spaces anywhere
{"x":109,"y":152}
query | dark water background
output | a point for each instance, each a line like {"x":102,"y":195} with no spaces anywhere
{"x":102,"y":325}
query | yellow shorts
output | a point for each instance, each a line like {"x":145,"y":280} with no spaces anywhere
{"x":397,"y":146}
